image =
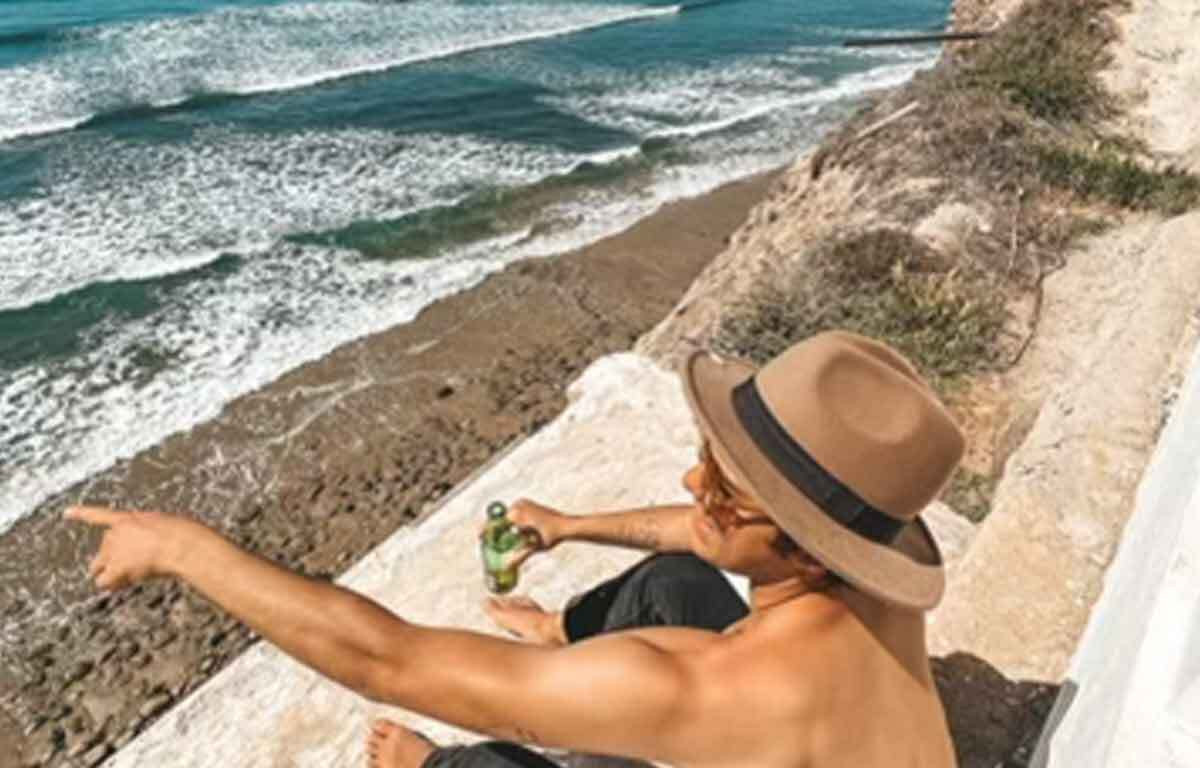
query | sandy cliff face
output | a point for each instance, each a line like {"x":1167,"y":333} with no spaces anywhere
{"x":1158,"y":70}
{"x":798,"y":212}
{"x":1118,"y":320}
{"x":979,"y":15}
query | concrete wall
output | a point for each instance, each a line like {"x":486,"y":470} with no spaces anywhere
{"x":1132,"y":697}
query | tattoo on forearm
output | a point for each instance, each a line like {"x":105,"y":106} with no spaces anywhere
{"x":645,"y":533}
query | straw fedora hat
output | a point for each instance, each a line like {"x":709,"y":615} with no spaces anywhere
{"x":845,"y":445}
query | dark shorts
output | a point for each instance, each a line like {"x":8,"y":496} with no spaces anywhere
{"x":660,"y":591}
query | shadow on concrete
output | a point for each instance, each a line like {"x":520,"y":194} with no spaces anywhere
{"x":995,"y":722}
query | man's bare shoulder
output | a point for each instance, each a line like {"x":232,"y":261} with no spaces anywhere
{"x":671,"y":640}
{"x":816,"y":619}
{"x":751,"y":696}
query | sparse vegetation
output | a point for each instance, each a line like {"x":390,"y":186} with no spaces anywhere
{"x":1015,"y":124}
{"x":970,"y":494}
{"x":883,"y":284}
{"x":1047,"y":60}
{"x":1111,"y":178}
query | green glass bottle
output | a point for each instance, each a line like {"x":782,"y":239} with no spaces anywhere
{"x":500,"y":539}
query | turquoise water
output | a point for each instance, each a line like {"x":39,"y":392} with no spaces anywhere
{"x":198,"y":196}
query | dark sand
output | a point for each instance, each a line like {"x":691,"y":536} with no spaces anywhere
{"x":318,"y":468}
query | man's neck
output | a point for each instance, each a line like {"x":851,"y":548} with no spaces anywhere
{"x":766,"y":595}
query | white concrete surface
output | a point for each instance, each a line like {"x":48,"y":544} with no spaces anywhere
{"x":1137,"y":667}
{"x":1157,"y":64}
{"x":623,"y":442}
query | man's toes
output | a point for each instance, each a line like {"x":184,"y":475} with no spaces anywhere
{"x":373,"y":747}
{"x":379,"y":726}
{"x":391,"y":745}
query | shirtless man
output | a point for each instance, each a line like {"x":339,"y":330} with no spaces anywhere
{"x":815,"y":471}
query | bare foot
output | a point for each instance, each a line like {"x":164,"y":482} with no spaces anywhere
{"x":527,"y":620}
{"x":391,"y":745}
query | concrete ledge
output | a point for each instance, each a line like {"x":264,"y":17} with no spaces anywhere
{"x":1132,"y":696}
{"x":1026,"y":588}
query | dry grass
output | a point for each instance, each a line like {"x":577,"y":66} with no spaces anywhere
{"x":1047,"y":60}
{"x":970,"y":494}
{"x":1110,"y":177}
{"x":882,"y":283}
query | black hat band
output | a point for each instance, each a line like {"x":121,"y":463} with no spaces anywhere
{"x":805,"y":474}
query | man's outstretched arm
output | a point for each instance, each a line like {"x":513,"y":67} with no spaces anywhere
{"x":620,"y":693}
{"x":657,"y":529}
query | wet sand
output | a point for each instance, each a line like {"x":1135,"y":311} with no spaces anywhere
{"x":317,"y":468}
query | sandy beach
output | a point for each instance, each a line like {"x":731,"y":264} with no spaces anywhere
{"x":316,"y":469}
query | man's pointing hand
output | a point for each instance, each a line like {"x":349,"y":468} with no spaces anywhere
{"x":137,"y":546}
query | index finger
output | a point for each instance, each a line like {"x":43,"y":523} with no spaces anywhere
{"x":93,"y":515}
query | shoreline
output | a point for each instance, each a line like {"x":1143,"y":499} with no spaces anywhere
{"x":324,"y":463}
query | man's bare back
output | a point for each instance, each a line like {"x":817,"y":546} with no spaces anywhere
{"x":804,"y":685}
{"x":865,"y":705}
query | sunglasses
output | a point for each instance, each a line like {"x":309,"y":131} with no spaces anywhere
{"x":728,"y":506}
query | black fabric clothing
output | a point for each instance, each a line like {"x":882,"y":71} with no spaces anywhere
{"x":665,"y":590}
{"x":669,"y":590}
{"x":489,"y":754}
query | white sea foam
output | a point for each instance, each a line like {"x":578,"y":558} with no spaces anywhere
{"x":42,"y":129}
{"x":127,"y":212}
{"x":677,"y":101}
{"x":116,"y":212}
{"x":612,"y":155}
{"x":683,"y":103}
{"x":752,"y":112}
{"x":599,"y":214}
{"x":861,"y":83}
{"x":272,"y":48}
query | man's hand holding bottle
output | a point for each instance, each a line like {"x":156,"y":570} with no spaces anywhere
{"x":546,"y":523}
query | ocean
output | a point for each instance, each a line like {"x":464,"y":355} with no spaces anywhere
{"x":199,"y":195}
